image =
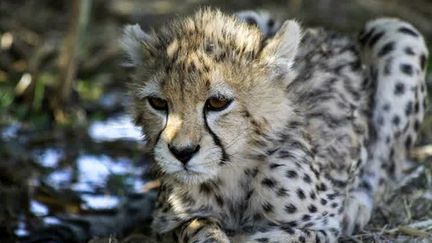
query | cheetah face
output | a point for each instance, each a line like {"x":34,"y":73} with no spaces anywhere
{"x":193,"y":125}
{"x":205,"y":89}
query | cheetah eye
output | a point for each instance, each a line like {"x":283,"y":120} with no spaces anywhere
{"x":217,"y":103}
{"x":158,"y":103}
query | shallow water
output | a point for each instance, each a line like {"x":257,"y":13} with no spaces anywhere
{"x":115,"y":128}
{"x":99,"y":168}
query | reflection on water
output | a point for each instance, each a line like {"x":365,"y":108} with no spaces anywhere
{"x":51,"y":220}
{"x":38,"y":208}
{"x":120,"y":127}
{"x":49,"y":157}
{"x":99,"y":168}
{"x":100,"y":201}
{"x":93,"y":172}
{"x":21,"y":229}
{"x":60,"y":178}
{"x":10,"y":132}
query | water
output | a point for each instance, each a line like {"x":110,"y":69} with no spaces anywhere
{"x":10,"y":132}
{"x":60,"y":178}
{"x":49,"y":157}
{"x":38,"y":208}
{"x":100,"y":201}
{"x":116,"y":128}
{"x":21,"y":230}
{"x":94,"y":171}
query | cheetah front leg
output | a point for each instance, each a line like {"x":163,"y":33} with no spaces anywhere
{"x":201,"y":230}
{"x":287,"y":234}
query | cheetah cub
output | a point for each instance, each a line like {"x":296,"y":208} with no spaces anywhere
{"x":283,"y":140}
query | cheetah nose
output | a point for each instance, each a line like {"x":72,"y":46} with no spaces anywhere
{"x":184,"y":154}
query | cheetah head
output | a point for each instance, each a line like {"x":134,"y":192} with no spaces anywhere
{"x":207,"y":89}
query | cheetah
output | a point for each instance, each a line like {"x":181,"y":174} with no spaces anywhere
{"x":282,"y":138}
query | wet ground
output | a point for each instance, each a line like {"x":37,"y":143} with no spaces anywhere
{"x":95,"y":160}
{"x":93,"y":171}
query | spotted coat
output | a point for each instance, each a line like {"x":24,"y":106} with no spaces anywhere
{"x":273,"y":140}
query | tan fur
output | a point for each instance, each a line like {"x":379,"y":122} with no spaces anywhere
{"x":288,"y":153}
{"x":191,"y":49}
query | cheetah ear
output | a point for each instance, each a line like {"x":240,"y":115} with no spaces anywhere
{"x":282,"y":48}
{"x":136,"y":44}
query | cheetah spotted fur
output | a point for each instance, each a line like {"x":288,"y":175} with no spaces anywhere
{"x":284,"y":138}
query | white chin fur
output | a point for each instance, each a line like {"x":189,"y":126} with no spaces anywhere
{"x":188,"y":177}
{"x":202,"y":167}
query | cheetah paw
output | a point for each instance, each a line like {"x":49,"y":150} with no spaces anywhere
{"x":358,"y":210}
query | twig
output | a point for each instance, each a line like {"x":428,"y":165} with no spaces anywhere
{"x":67,"y":59}
{"x":407,"y":210}
{"x":413,"y":231}
{"x":417,"y":229}
{"x":421,"y":224}
{"x":422,"y":153}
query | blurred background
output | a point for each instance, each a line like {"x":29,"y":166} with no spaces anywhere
{"x":67,"y":145}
